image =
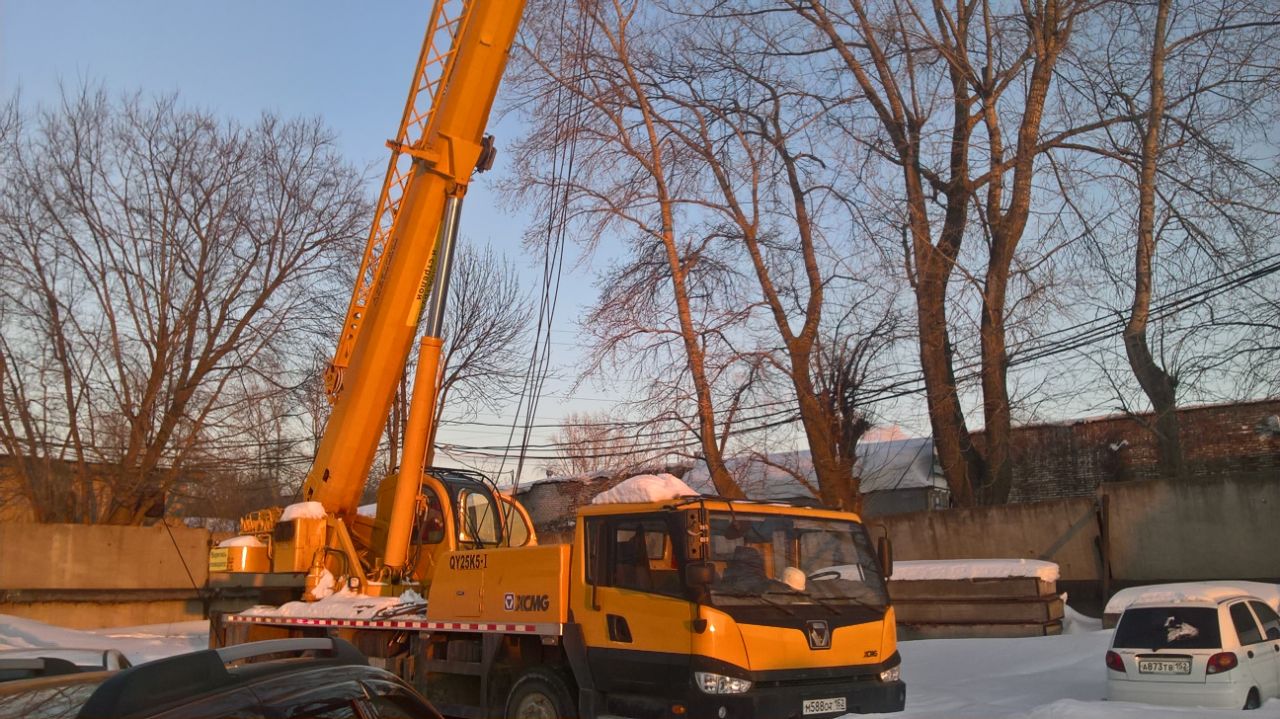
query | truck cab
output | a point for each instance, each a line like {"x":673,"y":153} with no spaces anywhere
{"x":731,"y":609}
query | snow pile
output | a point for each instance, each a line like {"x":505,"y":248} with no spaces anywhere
{"x":920,"y":570}
{"x":303,"y":510}
{"x":138,"y":644}
{"x":412,"y":597}
{"x":244,"y":540}
{"x":1074,"y":622}
{"x":342,"y":604}
{"x":324,"y":587}
{"x":1192,"y":592}
{"x":645,"y":488}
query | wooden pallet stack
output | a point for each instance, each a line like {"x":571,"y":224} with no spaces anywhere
{"x":953,"y":599}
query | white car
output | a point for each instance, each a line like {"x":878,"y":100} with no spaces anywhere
{"x":1212,"y":652}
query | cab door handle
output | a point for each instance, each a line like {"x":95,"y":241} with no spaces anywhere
{"x":618,"y":629}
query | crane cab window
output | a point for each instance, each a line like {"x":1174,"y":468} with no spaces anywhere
{"x":518,"y":533}
{"x":431,"y":522}
{"x":635,"y":553}
{"x":478,"y":519}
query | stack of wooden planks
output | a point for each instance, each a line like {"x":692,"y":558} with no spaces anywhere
{"x":976,"y":599}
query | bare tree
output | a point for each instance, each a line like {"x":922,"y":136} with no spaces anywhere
{"x":163,"y":262}
{"x":487,"y":327}
{"x":957,"y":95}
{"x":1197,"y":86}
{"x":590,"y":89}
{"x":487,"y":324}
{"x":597,"y":442}
{"x":757,"y":135}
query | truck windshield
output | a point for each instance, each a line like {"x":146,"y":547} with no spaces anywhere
{"x":788,"y":560}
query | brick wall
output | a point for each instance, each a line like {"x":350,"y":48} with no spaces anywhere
{"x":552,"y":505}
{"x":1072,"y":460}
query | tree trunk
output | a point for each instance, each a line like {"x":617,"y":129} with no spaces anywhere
{"x":950,"y":434}
{"x":1159,"y":386}
{"x":997,"y":432}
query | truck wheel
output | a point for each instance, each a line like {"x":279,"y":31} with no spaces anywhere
{"x":540,"y":694}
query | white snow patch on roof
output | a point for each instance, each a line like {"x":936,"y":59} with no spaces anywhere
{"x":645,"y":488}
{"x":920,"y":570}
{"x":303,"y":510}
{"x":1182,"y":592}
{"x":244,"y":540}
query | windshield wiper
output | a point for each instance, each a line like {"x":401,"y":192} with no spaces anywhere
{"x":817,"y":600}
{"x":855,"y":600}
{"x":761,"y":597}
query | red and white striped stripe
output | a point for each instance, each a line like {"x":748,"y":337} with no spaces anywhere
{"x":413,"y":624}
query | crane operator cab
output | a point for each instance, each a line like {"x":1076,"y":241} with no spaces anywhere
{"x":458,"y":509}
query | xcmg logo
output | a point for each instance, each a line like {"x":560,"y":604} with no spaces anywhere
{"x":526,"y":602}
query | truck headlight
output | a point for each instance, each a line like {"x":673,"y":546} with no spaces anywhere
{"x":891,"y":675}
{"x":720,"y":684}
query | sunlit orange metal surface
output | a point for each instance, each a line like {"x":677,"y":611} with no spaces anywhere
{"x":433,"y":157}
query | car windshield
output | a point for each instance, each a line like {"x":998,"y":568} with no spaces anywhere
{"x":1168,"y":627}
{"x":785,"y":560}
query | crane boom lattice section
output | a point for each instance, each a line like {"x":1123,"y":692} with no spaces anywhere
{"x":435,"y":63}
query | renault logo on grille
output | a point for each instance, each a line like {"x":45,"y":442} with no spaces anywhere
{"x":818,"y":633}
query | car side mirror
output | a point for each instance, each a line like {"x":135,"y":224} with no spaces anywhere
{"x":884,"y":549}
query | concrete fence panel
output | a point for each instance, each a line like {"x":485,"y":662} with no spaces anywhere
{"x":90,"y":576}
{"x":1183,"y":531}
{"x":1062,"y":531}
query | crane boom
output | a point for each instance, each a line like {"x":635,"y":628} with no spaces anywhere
{"x":426,"y":173}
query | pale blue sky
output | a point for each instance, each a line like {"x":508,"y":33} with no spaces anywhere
{"x":347,"y":62}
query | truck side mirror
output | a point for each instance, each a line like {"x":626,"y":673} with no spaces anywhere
{"x":699,"y":575}
{"x":884,"y":549}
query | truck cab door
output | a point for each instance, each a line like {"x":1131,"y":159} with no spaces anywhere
{"x":637,"y":622}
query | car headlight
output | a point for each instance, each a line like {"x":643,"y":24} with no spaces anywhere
{"x":891,"y":675}
{"x":720,"y":684}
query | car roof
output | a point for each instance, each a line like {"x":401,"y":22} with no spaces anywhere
{"x":1192,"y":601}
{"x":48,"y":697}
{"x":82,"y":656}
{"x":164,"y":684}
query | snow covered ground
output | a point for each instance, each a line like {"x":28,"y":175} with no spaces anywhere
{"x":1039,"y":678}
{"x":139,"y":644}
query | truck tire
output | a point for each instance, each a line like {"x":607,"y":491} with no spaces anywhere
{"x":1253,"y":701}
{"x":541,"y":693}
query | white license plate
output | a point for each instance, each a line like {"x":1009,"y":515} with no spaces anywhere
{"x":823,"y":706}
{"x":1164,"y":666}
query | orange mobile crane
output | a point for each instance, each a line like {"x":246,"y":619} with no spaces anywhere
{"x":695,"y":606}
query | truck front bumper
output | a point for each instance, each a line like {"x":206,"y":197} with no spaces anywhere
{"x":788,"y":702}
{"x":803,"y":693}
